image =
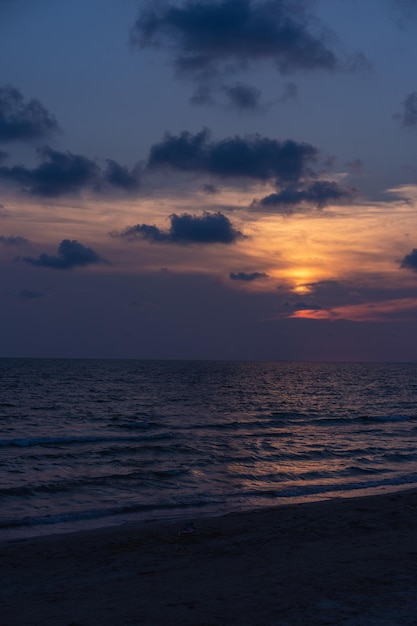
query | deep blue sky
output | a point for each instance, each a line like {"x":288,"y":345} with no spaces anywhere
{"x":209,"y":179}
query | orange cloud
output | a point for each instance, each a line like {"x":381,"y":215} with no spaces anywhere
{"x":365,"y":312}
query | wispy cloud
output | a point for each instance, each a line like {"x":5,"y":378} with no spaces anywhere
{"x":408,"y":115}
{"x":13,"y":240}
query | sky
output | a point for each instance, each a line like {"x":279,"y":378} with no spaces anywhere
{"x":208,"y":179}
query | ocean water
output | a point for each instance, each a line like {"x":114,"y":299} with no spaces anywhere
{"x":89,"y":443}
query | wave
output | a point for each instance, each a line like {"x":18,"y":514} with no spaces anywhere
{"x":207,"y":501}
{"x":107,"y":480}
{"x":77,"y":516}
{"x":279,"y":423}
{"x":30,"y":442}
{"x":364,"y":419}
{"x":308,"y":490}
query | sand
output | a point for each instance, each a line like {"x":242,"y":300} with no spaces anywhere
{"x":344,"y":561}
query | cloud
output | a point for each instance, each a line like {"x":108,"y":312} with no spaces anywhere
{"x":247,"y":277}
{"x":408,"y":116}
{"x":244,"y":97}
{"x":65,"y":173}
{"x":353,"y":300}
{"x":409,"y":262}
{"x":319,"y":193}
{"x":239,"y":96}
{"x":399,"y":309}
{"x":71,"y":254}
{"x":300,"y":305}
{"x":13,"y":240}
{"x":118,"y":175}
{"x":3,"y":155}
{"x":58,"y":174}
{"x":23,"y":120}
{"x":252,"y":157}
{"x":209,"y":36}
{"x":208,"y":228}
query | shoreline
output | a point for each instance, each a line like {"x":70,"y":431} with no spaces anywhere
{"x":125,"y":520}
{"x":322,"y":562}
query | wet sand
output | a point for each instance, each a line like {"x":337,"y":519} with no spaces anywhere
{"x":339,"y":562}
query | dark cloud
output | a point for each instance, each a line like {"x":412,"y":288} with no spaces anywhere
{"x":13,"y":240}
{"x":63,"y":173}
{"x":323,"y":295}
{"x":244,"y":97}
{"x":239,"y":96}
{"x":71,"y":254}
{"x":23,"y":120}
{"x":144,"y":231}
{"x":251,"y":157}
{"x":409,"y":262}
{"x":118,"y":175}
{"x":319,"y":194}
{"x":58,"y":174}
{"x":210,"y":36}
{"x":3,"y":155}
{"x":208,"y":228}
{"x":330,"y":293}
{"x":408,"y":116}
{"x":301,"y":305}
{"x":247,"y":277}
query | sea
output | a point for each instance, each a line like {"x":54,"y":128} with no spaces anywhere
{"x":94,"y":443}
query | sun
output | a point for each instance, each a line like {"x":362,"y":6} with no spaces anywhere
{"x":301,"y":279}
{"x":301,"y":289}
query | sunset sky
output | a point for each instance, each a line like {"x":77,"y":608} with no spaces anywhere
{"x":220,"y":179}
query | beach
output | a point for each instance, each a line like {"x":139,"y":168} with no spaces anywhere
{"x":350,"y":561}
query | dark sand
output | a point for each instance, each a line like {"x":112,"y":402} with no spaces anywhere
{"x":344,"y":561}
